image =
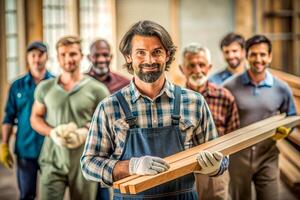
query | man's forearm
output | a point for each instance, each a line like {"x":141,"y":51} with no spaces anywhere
{"x":39,"y":125}
{"x":121,"y":170}
{"x":7,"y":130}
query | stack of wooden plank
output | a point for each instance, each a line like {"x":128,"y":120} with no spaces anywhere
{"x":185,"y":162}
{"x":289,"y":161}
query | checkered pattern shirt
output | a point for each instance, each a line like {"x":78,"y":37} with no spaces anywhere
{"x":222,"y":106}
{"x":107,"y":134}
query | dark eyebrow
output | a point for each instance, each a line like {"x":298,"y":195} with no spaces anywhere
{"x":139,"y":49}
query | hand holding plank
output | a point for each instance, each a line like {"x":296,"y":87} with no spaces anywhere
{"x":147,"y":165}
{"x":210,"y":163}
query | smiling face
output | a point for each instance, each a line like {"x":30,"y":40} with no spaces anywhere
{"x":69,"y":57}
{"x":259,"y":58}
{"x":233,"y":54}
{"x":100,"y":58}
{"x":36,"y":60}
{"x":148,"y":58}
{"x":196,"y":68}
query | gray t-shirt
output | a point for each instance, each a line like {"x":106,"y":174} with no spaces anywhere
{"x":257,"y":102}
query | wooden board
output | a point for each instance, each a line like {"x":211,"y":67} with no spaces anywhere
{"x":290,"y":172}
{"x":189,"y":164}
{"x":194,"y":150}
{"x":292,"y":154}
{"x":295,"y":136}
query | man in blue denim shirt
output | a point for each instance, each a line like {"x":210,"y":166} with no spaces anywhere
{"x":17,"y":112}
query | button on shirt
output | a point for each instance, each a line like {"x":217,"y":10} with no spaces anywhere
{"x":17,"y":112}
{"x":107,"y":135}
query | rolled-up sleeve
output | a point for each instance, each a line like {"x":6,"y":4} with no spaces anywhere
{"x":96,"y":162}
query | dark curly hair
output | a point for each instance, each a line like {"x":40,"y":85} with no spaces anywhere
{"x":147,"y":28}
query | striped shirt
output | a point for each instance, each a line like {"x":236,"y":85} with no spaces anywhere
{"x":107,"y":134}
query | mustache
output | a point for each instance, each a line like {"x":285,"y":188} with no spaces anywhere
{"x":153,"y":65}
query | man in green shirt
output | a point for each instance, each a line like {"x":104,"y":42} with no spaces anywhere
{"x":62,"y":110}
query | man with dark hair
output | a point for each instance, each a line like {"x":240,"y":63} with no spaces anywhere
{"x":63,"y":111}
{"x":17,"y":112}
{"x":232,"y":46}
{"x":196,"y":66}
{"x":259,"y":95}
{"x":100,"y":57}
{"x":150,"y":119}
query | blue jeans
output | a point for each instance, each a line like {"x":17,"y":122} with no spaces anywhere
{"x":102,"y":193}
{"x":27,"y":170}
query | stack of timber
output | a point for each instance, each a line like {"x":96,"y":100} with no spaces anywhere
{"x":289,"y":161}
{"x":185,"y":162}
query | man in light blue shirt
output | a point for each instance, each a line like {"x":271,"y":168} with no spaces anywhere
{"x":232,"y":46}
{"x":259,"y":95}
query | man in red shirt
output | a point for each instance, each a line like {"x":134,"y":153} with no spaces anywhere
{"x":196,"y":65}
{"x":100,"y":57}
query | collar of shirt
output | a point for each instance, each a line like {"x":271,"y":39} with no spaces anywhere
{"x":267,"y":82}
{"x":168,"y":89}
{"x":225,"y":74}
{"x":29,"y":78}
{"x":208,"y":90}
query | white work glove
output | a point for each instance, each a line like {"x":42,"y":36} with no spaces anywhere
{"x":147,"y":165}
{"x":58,"y":133}
{"x":76,"y":138}
{"x":209,"y":162}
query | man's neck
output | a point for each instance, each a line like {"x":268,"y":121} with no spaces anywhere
{"x":38,"y":75}
{"x":151,"y":90}
{"x":238,"y":70}
{"x":69,"y":80}
{"x":256,"y":78}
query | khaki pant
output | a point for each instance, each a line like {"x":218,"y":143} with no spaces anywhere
{"x":60,"y":168}
{"x":258,"y":164}
{"x":212,"y":188}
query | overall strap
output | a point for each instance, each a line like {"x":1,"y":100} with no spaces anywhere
{"x":176,"y":109}
{"x":130,"y":119}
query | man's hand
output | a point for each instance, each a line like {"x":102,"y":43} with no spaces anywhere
{"x":147,"y":165}
{"x":59,"y":133}
{"x":281,"y":132}
{"x":76,"y":138}
{"x":5,"y":156}
{"x":209,"y":162}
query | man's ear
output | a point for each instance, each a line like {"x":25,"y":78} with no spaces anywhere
{"x":128,"y":59}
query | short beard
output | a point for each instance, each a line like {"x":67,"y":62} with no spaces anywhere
{"x":100,"y":72}
{"x":236,"y":65}
{"x":149,"y":77}
{"x":198,"y":82}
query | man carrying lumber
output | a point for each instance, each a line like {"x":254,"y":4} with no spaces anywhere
{"x":150,"y":119}
{"x":196,"y":66}
{"x":259,"y":95}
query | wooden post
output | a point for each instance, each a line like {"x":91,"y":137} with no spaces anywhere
{"x":3,"y":71}
{"x":34,"y":20}
{"x":244,"y":18}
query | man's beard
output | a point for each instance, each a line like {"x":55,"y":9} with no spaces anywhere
{"x":100,"y":71}
{"x":235,"y":64}
{"x":149,"y":77}
{"x":197,"y":80}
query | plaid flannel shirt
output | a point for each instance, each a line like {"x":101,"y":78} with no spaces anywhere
{"x":107,"y":134}
{"x":222,"y":106}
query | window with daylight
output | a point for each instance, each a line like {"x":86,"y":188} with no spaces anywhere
{"x":11,"y":34}
{"x":95,"y":22}
{"x":55,"y":26}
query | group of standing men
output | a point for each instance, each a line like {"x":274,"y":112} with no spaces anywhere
{"x":148,"y":119}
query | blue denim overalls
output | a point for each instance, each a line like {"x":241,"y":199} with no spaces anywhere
{"x":161,"y":142}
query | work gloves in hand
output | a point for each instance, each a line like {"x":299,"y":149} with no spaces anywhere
{"x":5,"y":156}
{"x":209,"y":162}
{"x":281,"y":132}
{"x":69,"y":135}
{"x":147,"y":165}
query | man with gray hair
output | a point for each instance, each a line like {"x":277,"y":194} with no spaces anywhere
{"x":196,"y":65}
